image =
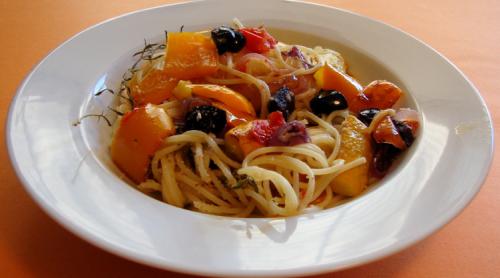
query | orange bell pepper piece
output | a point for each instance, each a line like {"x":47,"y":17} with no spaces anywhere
{"x":231,"y":99}
{"x":354,"y":144}
{"x":234,"y":117}
{"x":155,"y":88}
{"x":239,"y":141}
{"x":190,"y":55}
{"x":329,"y":78}
{"x":139,"y":136}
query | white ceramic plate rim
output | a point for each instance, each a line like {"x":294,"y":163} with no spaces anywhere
{"x":131,"y":254}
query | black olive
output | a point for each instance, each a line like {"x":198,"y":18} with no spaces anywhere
{"x":238,"y":43}
{"x":367,"y":115}
{"x":283,"y":100}
{"x":227,"y":39}
{"x":326,"y":102}
{"x":206,"y":118}
{"x":383,"y":157}
{"x":405,"y":132}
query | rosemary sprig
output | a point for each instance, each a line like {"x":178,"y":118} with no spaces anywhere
{"x":99,"y":117}
{"x":106,"y":90}
{"x":116,"y":111}
{"x":148,"y":53}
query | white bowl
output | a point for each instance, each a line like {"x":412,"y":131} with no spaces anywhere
{"x":67,"y":169}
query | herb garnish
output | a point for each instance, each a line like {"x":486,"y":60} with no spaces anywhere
{"x":99,"y":117}
{"x":243,"y":181}
{"x":148,"y":53}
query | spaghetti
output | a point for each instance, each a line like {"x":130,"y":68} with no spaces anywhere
{"x":291,"y":158}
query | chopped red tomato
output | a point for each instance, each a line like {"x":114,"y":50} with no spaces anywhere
{"x":263,"y":130}
{"x":258,"y":40}
{"x":276,"y":119}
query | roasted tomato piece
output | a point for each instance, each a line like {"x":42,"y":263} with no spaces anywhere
{"x":379,"y":94}
{"x":387,"y":132}
{"x":258,"y":40}
{"x":247,"y":137}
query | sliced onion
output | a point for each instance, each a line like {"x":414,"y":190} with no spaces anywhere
{"x":409,"y":117}
{"x":241,"y":62}
{"x":406,"y":114}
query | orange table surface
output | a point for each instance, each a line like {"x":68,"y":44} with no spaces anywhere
{"x":465,"y":31}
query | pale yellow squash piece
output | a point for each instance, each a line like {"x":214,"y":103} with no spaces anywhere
{"x":354,"y":144}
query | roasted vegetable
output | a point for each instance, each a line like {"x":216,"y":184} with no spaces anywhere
{"x":283,"y":100}
{"x":290,"y":134}
{"x":230,"y":98}
{"x":190,"y":55}
{"x":258,"y":40}
{"x":296,"y":58}
{"x":263,"y":130}
{"x":409,"y":117}
{"x":392,"y":137}
{"x":183,"y":90}
{"x":250,"y":92}
{"x":354,"y":144}
{"x":254,"y":64}
{"x":387,"y":132}
{"x":379,"y":94}
{"x":326,"y":101}
{"x":297,"y":84}
{"x":239,"y":142}
{"x":227,"y":39}
{"x":383,"y":157}
{"x":405,"y":131}
{"x":154,"y":88}
{"x":245,"y":138}
{"x":329,"y":78}
{"x":138,"y":137}
{"x":234,"y":117}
